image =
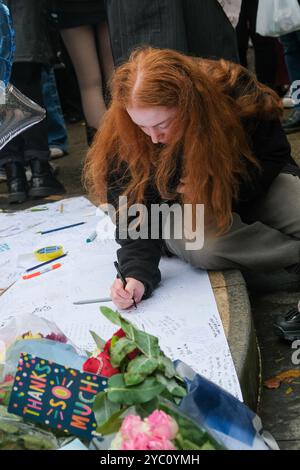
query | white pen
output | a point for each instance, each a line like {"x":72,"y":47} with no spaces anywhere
{"x":92,"y":237}
{"x":93,"y":301}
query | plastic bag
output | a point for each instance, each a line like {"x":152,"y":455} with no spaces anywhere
{"x":37,"y":336}
{"x":277,"y":17}
{"x":230,"y":421}
{"x":17,"y":435}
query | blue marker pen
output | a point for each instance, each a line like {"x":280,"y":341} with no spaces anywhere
{"x":92,"y":237}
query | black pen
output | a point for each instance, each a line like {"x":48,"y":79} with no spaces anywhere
{"x":122,"y":279}
{"x":46,"y":262}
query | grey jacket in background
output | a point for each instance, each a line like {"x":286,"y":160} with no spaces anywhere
{"x":195,"y":27}
{"x":32,"y":35}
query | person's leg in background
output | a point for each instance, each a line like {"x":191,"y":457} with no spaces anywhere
{"x":12,"y":161}
{"x":36,"y":149}
{"x":242,"y":32}
{"x":291,"y":46}
{"x":2,"y":175}
{"x":57,"y":132}
{"x":68,"y":89}
{"x":105,"y":54}
{"x":282,"y":77}
{"x":81,"y":45}
{"x":209,"y":31}
{"x":264,"y":48}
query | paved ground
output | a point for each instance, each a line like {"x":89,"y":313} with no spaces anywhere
{"x":279,"y":409}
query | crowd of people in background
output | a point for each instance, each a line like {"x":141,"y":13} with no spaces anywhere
{"x":66,"y":52}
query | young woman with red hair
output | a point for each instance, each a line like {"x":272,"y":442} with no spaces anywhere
{"x":194,"y":131}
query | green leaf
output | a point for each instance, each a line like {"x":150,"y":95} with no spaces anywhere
{"x":120,"y":350}
{"x":168,"y":396}
{"x":103,"y":408}
{"x":146,"y":343}
{"x":166,"y":365}
{"x":8,"y":428}
{"x":36,"y":442}
{"x":185,"y":444}
{"x":145,"y":409}
{"x":118,"y":392}
{"x":138,"y":369}
{"x":113,"y":316}
{"x":113,"y":341}
{"x":172,"y":386}
{"x":112,"y":425}
{"x":115,"y":421}
{"x":100,"y":343}
{"x":189,"y":429}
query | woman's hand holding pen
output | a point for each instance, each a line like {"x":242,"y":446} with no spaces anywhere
{"x":123,"y":298}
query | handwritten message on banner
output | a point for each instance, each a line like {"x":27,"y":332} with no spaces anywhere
{"x":58,"y":396}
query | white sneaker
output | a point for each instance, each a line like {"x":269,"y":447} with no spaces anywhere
{"x":56,"y":152}
{"x":287,"y":100}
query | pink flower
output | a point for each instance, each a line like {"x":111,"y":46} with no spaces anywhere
{"x":132,"y":426}
{"x":144,"y":441}
{"x":156,"y":443}
{"x":154,"y":433}
{"x":139,"y":442}
{"x":162,"y":425}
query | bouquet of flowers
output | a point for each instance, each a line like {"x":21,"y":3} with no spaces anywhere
{"x":146,"y":406}
{"x":43,"y":338}
{"x":139,"y":409}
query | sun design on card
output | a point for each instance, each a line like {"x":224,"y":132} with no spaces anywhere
{"x":62,"y":392}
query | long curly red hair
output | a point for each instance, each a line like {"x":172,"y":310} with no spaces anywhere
{"x":212,"y":97}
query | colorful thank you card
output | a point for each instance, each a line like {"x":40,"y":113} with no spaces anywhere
{"x":58,"y":396}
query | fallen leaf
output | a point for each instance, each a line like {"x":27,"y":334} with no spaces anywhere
{"x":272,"y":383}
{"x":289,"y":390}
{"x":287,"y":376}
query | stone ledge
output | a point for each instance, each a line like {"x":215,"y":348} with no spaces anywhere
{"x":234,"y":306}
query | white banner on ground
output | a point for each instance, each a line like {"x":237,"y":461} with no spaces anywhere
{"x":182,"y":312}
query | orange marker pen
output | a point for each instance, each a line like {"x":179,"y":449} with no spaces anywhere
{"x":38,"y":273}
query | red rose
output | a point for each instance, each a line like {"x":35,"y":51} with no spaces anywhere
{"x":91,"y":365}
{"x":60,"y":338}
{"x":9,"y":378}
{"x":119,"y":334}
{"x":100,"y":365}
{"x":133,"y":354}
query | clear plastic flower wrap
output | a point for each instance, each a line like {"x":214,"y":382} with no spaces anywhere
{"x":37,"y":336}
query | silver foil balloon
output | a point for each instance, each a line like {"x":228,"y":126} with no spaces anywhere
{"x":17,"y":112}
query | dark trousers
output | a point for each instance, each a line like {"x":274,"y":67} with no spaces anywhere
{"x":264,"y":47}
{"x":33,"y":143}
{"x":196,"y":27}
